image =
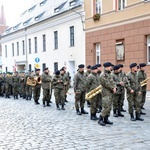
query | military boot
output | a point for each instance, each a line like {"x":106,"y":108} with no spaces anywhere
{"x":83,"y":111}
{"x":16,"y":96}
{"x":62,"y":107}
{"x":57,"y":105}
{"x":78,"y":112}
{"x":123,"y":110}
{"x":44,"y":104}
{"x":106,"y":120}
{"x":132,"y":117}
{"x":138,"y":117}
{"x":115,"y":113}
{"x":120,"y":114}
{"x":93,"y":117}
{"x":142,"y":113}
{"x":27,"y":97}
{"x":48,"y":105}
{"x":100,"y":121}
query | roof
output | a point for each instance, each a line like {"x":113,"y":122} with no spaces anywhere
{"x":42,"y":10}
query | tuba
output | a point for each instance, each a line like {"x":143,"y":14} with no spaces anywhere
{"x":93,"y":93}
{"x":144,"y":82}
{"x":31,"y":82}
{"x":38,"y":80}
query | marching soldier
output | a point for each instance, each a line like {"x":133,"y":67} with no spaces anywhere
{"x":142,"y":76}
{"x":79,"y":89}
{"x":86,"y":74}
{"x":8,"y":82}
{"x":134,"y":99}
{"x":37,"y":87}
{"x":15,"y":85}
{"x":58,"y":86}
{"x":108,"y":88}
{"x":93,"y":82}
{"x":22,"y":85}
{"x":2,"y":80}
{"x":28,"y":87}
{"x":46,"y":86}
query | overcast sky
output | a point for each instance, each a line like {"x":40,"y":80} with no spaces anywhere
{"x":13,"y":9}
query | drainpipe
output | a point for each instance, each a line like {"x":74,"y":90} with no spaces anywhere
{"x":26,"y":51}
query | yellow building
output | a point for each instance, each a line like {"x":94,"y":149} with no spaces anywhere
{"x":117,"y":31}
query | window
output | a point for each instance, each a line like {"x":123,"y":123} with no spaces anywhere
{"x":30,"y":67}
{"x":29,"y":46}
{"x":44,"y":43}
{"x":43,"y":66}
{"x":120,"y":54}
{"x":17,"y":48}
{"x":97,"y":48}
{"x":5,"y":50}
{"x":98,"y":7}
{"x":35,"y":44}
{"x":23,"y":48}
{"x":43,"y":2}
{"x":39,"y":16}
{"x":59,"y":7}
{"x":148,"y":49}
{"x":120,"y":4}
{"x":55,"y":66}
{"x":12,"y":49}
{"x":32,"y":8}
{"x":27,"y":22}
{"x":73,"y":2}
{"x":72,"y":36}
{"x":55,"y":40}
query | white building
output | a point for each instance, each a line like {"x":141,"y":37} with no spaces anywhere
{"x":49,"y":34}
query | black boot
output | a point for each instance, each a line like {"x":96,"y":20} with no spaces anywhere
{"x":132,"y":117}
{"x":29,"y":98}
{"x":26,"y":97}
{"x":62,"y":107}
{"x":120,"y":114}
{"x":100,"y":121}
{"x":115,"y":113}
{"x":123,"y":110}
{"x":57,"y":105}
{"x":8,"y":96}
{"x":48,"y":105}
{"x":142,"y":107}
{"x":142,"y":113}
{"x":138,"y":117}
{"x":78,"y":112}
{"x":106,"y":120}
{"x":93,"y":117}
{"x":44,"y":104}
{"x":99,"y":109}
{"x":83,"y":111}
{"x":16,"y":96}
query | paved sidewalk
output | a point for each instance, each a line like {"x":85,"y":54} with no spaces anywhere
{"x":25,"y":126}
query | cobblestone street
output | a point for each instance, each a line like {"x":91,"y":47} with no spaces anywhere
{"x":26,"y":126}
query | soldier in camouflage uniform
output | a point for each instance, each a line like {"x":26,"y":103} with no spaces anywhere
{"x":108,"y":88}
{"x":28,"y":87}
{"x":142,"y":76}
{"x":93,"y":82}
{"x":46,"y":86}
{"x":15,"y":85}
{"x":8,"y":82}
{"x":1,"y":85}
{"x":117,"y":103}
{"x":79,"y":89}
{"x":134,"y":99}
{"x":58,"y":86}
{"x":99,"y":104}
{"x":37,"y":87}
{"x":22,"y":85}
{"x":86,"y":74}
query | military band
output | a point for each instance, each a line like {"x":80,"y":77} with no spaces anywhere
{"x":106,"y":89}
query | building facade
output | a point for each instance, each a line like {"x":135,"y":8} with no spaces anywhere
{"x":117,"y":31}
{"x":49,"y":34}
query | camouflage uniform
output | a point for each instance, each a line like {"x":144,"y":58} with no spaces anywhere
{"x":15,"y":84}
{"x":8,"y":82}
{"x":142,"y":76}
{"x":46,"y":86}
{"x":1,"y":85}
{"x":92,"y":83}
{"x":79,"y":89}
{"x":22,"y":85}
{"x":37,"y":89}
{"x":134,"y":99}
{"x":58,"y":86}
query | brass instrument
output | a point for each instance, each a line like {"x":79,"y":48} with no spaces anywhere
{"x":144,"y":82}
{"x":31,"y":82}
{"x":38,"y":80}
{"x":93,"y":93}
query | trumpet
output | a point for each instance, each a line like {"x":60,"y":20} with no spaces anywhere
{"x":93,"y":93}
{"x":144,"y":82}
